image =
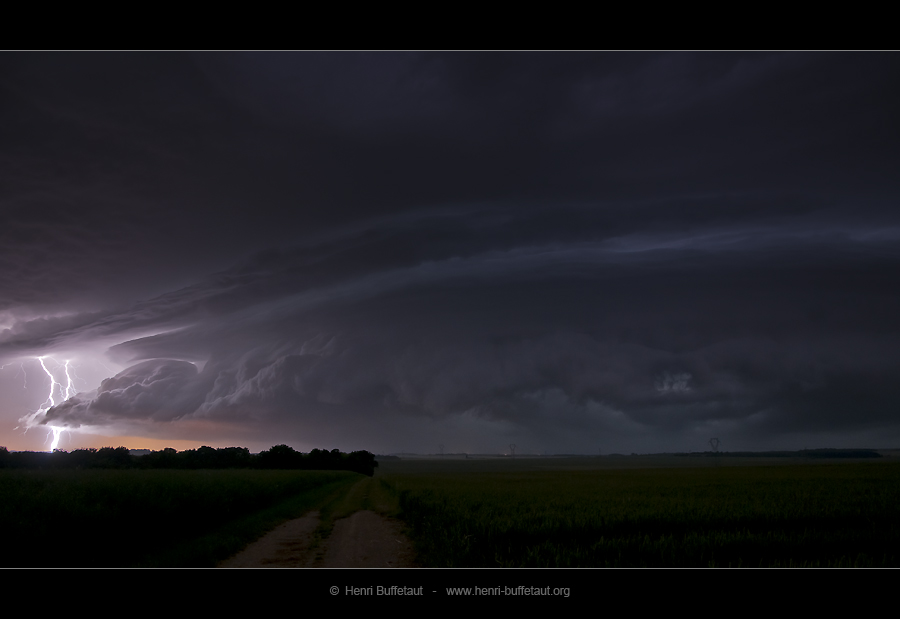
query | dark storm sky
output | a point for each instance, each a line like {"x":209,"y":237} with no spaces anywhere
{"x":391,"y":251}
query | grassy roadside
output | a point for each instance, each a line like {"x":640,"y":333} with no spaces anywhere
{"x":208,"y":550}
{"x":151,"y":518}
{"x":333,"y":502}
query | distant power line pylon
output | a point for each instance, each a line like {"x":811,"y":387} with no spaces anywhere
{"x":714,"y":443}
{"x":441,"y":448}
{"x":512,"y":448}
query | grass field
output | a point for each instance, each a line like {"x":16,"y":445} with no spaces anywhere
{"x":523,"y":512}
{"x":645,"y":512}
{"x":161,"y":518}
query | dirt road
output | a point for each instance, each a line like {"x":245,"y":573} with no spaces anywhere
{"x":365,"y":539}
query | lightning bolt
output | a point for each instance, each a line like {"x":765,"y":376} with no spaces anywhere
{"x":50,"y":402}
{"x":21,"y":369}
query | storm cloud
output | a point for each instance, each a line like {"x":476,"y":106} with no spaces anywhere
{"x":387,"y":251}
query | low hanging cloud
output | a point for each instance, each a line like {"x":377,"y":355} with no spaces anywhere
{"x":159,"y":390}
{"x":443,"y":346}
{"x":637,"y":251}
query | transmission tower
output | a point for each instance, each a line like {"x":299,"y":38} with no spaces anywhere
{"x":714,"y":443}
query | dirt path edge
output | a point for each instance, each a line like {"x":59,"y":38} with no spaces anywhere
{"x":362,"y":540}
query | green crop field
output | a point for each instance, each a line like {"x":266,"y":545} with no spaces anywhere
{"x":527,"y":512}
{"x":641,"y":512}
{"x":165,"y":518}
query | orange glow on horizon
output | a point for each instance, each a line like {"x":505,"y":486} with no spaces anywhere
{"x":140,"y":442}
{"x":76,"y":440}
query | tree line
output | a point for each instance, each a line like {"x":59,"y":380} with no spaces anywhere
{"x":278,"y":457}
